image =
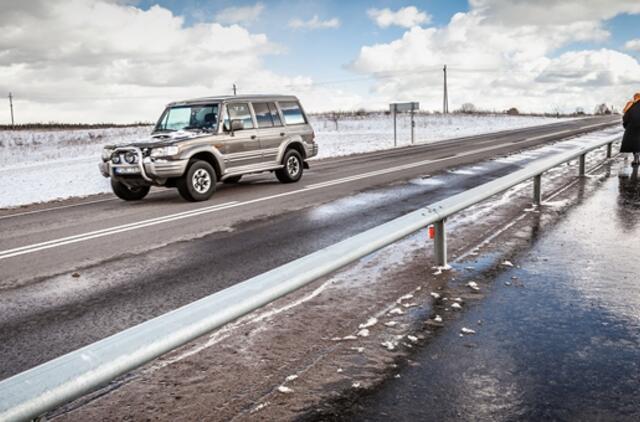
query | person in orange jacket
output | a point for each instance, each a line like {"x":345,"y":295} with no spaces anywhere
{"x":631,"y":124}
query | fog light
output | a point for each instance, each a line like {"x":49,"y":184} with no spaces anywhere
{"x":115,"y":159}
{"x":131,"y":157}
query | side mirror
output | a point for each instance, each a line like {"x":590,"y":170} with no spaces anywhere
{"x":236,"y":124}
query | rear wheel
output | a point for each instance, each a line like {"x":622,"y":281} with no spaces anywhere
{"x":123,"y":191}
{"x":293,"y":166}
{"x":198,"y":183}
{"x":232,"y":180}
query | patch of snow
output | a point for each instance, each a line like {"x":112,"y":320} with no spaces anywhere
{"x":412,"y":339}
{"x":260,"y":407}
{"x":405,"y":297}
{"x":370,"y":323}
{"x":356,"y":385}
{"x":391,"y":323}
{"x":396,"y":311}
{"x":363,"y":333}
{"x":473,"y":285}
{"x":456,"y":306}
{"x":357,"y":349}
{"x":410,"y":305}
{"x":389,"y":345}
{"x":285,"y":390}
{"x":291,"y":378}
{"x":507,"y":263}
{"x":435,"y":295}
{"x":467,"y":331}
{"x":437,"y":319}
{"x":339,"y":370}
{"x":426,"y":181}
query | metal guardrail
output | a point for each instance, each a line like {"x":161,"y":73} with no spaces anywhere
{"x":33,"y":392}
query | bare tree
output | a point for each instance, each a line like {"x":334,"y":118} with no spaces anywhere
{"x":602,"y":109}
{"x":513,"y":111}
{"x":467,"y":108}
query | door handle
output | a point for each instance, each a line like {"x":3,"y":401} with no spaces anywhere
{"x":281,"y":133}
{"x":253,"y":136}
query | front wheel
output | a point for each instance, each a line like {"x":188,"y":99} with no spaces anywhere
{"x":123,"y":191}
{"x":292,"y":170}
{"x":198,"y":183}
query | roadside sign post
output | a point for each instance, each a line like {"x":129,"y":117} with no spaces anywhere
{"x":396,"y":108}
{"x":413,"y":124}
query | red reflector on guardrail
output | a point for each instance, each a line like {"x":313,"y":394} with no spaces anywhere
{"x":432,"y":232}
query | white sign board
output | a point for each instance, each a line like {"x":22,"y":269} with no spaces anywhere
{"x":403,"y":107}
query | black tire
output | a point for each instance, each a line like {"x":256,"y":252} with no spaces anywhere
{"x":232,"y":180}
{"x":122,"y":191}
{"x":198,"y":182}
{"x":293,"y":167}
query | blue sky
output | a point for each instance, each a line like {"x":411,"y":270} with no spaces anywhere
{"x":326,"y":54}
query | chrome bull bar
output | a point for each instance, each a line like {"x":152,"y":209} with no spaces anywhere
{"x":140,"y":164}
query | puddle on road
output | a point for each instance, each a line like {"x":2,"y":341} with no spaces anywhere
{"x":560,"y":336}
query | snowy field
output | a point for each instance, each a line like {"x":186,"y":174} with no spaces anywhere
{"x":46,"y":165}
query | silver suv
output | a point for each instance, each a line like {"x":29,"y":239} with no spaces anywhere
{"x":197,"y":143}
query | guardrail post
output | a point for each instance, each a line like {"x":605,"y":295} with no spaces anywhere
{"x":537,"y":190}
{"x":440,"y":243}
{"x":583,"y":159}
{"x":609,"y":148}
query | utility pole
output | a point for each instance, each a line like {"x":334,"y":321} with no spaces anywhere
{"x":234,"y":90}
{"x":445,"y":101}
{"x":11,"y":107}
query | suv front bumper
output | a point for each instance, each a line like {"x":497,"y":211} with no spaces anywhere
{"x":152,"y":171}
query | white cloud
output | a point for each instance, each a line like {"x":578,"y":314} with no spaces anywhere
{"x":406,"y":17}
{"x":314,"y":23}
{"x":633,"y":45}
{"x":244,"y":14}
{"x":95,"y":60}
{"x":552,"y":12}
{"x":496,"y":64}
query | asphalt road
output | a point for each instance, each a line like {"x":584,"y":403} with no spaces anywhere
{"x":135,"y":261}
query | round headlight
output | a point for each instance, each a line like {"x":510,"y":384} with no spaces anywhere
{"x":115,"y":159}
{"x":130,"y":157}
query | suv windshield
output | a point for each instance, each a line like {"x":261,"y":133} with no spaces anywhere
{"x":195,"y":117}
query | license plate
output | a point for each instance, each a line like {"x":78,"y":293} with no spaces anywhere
{"x":127,"y":170}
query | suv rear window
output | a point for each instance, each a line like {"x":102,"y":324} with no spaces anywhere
{"x":266,"y":115}
{"x":292,"y":112}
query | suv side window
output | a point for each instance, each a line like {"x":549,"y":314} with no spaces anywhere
{"x":292,"y":112}
{"x":263,"y":115}
{"x":266,"y":115}
{"x":238,"y":111}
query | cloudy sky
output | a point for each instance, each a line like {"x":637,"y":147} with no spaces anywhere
{"x":122,"y":60}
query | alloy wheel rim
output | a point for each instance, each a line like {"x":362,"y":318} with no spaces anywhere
{"x":293,"y":166}
{"x":201,"y":181}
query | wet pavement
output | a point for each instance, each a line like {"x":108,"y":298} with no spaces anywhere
{"x":557,"y":335}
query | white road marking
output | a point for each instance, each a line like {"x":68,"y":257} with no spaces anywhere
{"x":23,"y":250}
{"x":61,"y":207}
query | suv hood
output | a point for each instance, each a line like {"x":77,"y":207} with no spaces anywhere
{"x":162,"y":139}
